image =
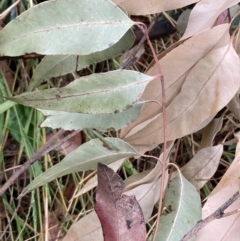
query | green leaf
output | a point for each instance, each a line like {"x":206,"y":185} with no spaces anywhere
{"x":86,"y":157}
{"x":184,"y":206}
{"x":110,"y":92}
{"x":65,"y":27}
{"x":53,"y":66}
{"x":79,"y":121}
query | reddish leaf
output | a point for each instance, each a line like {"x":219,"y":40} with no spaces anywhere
{"x":120,"y":215}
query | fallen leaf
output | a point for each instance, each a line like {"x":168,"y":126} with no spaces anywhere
{"x":147,"y":189}
{"x":202,"y":166}
{"x":147,"y":194}
{"x":232,"y":174}
{"x":204,"y":15}
{"x":5,"y":70}
{"x":224,"y":229}
{"x":234,"y":105}
{"x":148,"y":176}
{"x":210,"y":131}
{"x":54,"y":228}
{"x":193,"y":49}
{"x":120,"y":215}
{"x":142,"y":7}
{"x":87,"y":228}
{"x":194,"y":82}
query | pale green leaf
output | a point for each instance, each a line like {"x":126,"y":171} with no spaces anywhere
{"x":65,"y":27}
{"x":184,"y":205}
{"x":183,"y":21}
{"x":110,"y":92}
{"x":53,"y":66}
{"x":86,"y":157}
{"x":79,"y":121}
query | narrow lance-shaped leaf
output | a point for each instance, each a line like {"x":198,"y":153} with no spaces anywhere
{"x":203,"y":165}
{"x":234,"y":105}
{"x":110,"y":92}
{"x":210,"y":131}
{"x":143,"y":7}
{"x":79,"y":121}
{"x":120,"y":215}
{"x":84,"y":158}
{"x":53,"y":66}
{"x":65,"y":27}
{"x":204,"y":15}
{"x":184,"y":206}
{"x":232,"y":174}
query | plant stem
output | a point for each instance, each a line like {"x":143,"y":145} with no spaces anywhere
{"x":219,"y":213}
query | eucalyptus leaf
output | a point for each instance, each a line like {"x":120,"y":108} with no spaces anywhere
{"x":79,"y":121}
{"x":86,"y":157}
{"x":110,"y":92}
{"x":65,"y":27}
{"x":58,"y":65}
{"x":183,"y":205}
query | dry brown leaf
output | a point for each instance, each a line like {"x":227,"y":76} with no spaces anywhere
{"x":204,"y":15}
{"x":87,"y":228}
{"x":147,"y":189}
{"x":5,"y":70}
{"x":196,"y":90}
{"x":224,"y":229}
{"x":54,"y":229}
{"x":232,"y":174}
{"x":202,"y":166}
{"x":147,"y":195}
{"x":142,"y":7}
{"x":210,"y":131}
{"x":147,"y":176}
{"x":234,"y":105}
{"x":135,"y":178}
{"x":181,"y":59}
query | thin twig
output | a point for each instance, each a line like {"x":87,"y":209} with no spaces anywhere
{"x":47,"y":147}
{"x":8,"y":10}
{"x":219,"y":213}
{"x":133,"y":58}
{"x":164,"y":166}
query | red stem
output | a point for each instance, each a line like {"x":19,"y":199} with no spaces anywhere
{"x":164,"y":166}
